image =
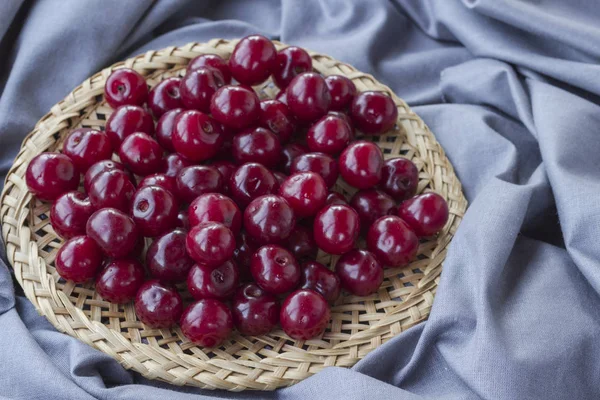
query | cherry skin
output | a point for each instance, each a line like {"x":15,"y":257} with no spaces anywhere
{"x":302,"y":243}
{"x":243,"y":256}
{"x":226,"y":168}
{"x":253,"y":59}
{"x":308,"y":97}
{"x":371,"y":204}
{"x":207,"y":322}
{"x":392,"y":241}
{"x":335,"y":198}
{"x":87,"y":146}
{"x":78,"y":259}
{"x":269,"y":219}
{"x":250,"y":181}
{"x":183,"y":221}
{"x":154,"y":210}
{"x":319,"y":163}
{"x":317,"y":277}
{"x":280,"y":177}
{"x":166,"y":182}
{"x":49,"y":175}
{"x":306,"y":192}
{"x":235,"y":107}
{"x":165,"y":96}
{"x":70,"y":213}
{"x":210,"y":243}
{"x":258,"y":145}
{"x":342,"y":91}
{"x":255,"y":312}
{"x":275,"y":269}
{"x":215,"y":207}
{"x":360,"y":273}
{"x":211,"y":61}
{"x":219,"y":283}
{"x":111,"y":189}
{"x":114,"y":231}
{"x":119,"y":280}
{"x":102,"y":166}
{"x":158,"y":305}
{"x":373,"y":112}
{"x":290,"y":62}
{"x":289,"y":153}
{"x":304,"y":314}
{"x":196,"y":136}
{"x":282,"y":96}
{"x":125,"y":86}
{"x":164,"y":129}
{"x":399,"y":178}
{"x":141,"y":154}
{"x":329,"y":135}
{"x":174,"y":163}
{"x":346,"y":118}
{"x":336,"y":228}
{"x":361,"y":164}
{"x":196,"y":180}
{"x":276,"y":117}
{"x":198,"y":86}
{"x":167,"y":258}
{"x":126,"y":120}
{"x":425,"y":214}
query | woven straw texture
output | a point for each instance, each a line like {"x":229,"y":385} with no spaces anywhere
{"x":359,"y":324}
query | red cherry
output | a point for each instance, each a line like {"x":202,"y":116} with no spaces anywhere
{"x":196,"y":136}
{"x":373,"y":112}
{"x":114,"y":231}
{"x":269,"y":219}
{"x":243,"y":256}
{"x":211,"y":61}
{"x":219,"y":283}
{"x":198,"y":86}
{"x":141,"y":154}
{"x":253,"y":59}
{"x":119,"y":280}
{"x":319,"y":163}
{"x":306,"y":192}
{"x":329,"y":135}
{"x":167,"y":257}
{"x":336,"y":228}
{"x":126,"y":120}
{"x":275,"y":269}
{"x":102,"y":166}
{"x":257,"y":145}
{"x":226,"y":168}
{"x":342,"y":91}
{"x":392,"y":241}
{"x":154,"y":210}
{"x":399,"y":178}
{"x":250,"y":181}
{"x":111,"y":189}
{"x":308,"y":97}
{"x":164,"y":129}
{"x":255,"y":312}
{"x":49,"y":175}
{"x":289,"y":152}
{"x":158,"y":305}
{"x":168,"y":183}
{"x":361,"y":164}
{"x":360,"y":273}
{"x":125,"y":86}
{"x":425,"y":214}
{"x":196,"y":180}
{"x":87,"y":146}
{"x":70,"y":213}
{"x":207,"y":322}
{"x":174,"y":163}
{"x":280,"y":177}
{"x":78,"y":259}
{"x":346,"y":118}
{"x":210,"y":243}
{"x":290,"y":62}
{"x":371,"y":204}
{"x":304,"y":314}
{"x":335,"y":198}
{"x":317,"y":277}
{"x":165,"y":96}
{"x":215,"y":207}
{"x":235,"y":107}
{"x":276,"y":117}
{"x":302,"y":243}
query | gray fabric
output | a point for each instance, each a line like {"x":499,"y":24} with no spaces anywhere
{"x":511,"y":90}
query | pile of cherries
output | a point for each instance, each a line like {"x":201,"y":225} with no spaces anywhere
{"x":237,"y":195}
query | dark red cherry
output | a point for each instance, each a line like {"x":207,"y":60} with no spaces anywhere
{"x":174,"y":163}
{"x":336,"y":228}
{"x":371,"y":204}
{"x":210,"y":243}
{"x":226,"y":168}
{"x":126,"y":120}
{"x":198,"y":86}
{"x":255,"y":312}
{"x":196,"y":136}
{"x":306,"y":192}
{"x":235,"y":107}
{"x":114,"y":231}
{"x":346,"y":118}
{"x":165,"y":96}
{"x":78,"y":259}
{"x":399,"y":178}
{"x":49,"y":175}
{"x":87,"y":146}
{"x":317,"y":277}
{"x":183,"y":221}
{"x":103,"y":166}
{"x":166,"y":182}
{"x":361,"y":164}
{"x":342,"y":91}
{"x":207,"y":322}
{"x":302,"y":243}
{"x":276,"y":117}
{"x":250,"y":181}
{"x":167,"y":258}
{"x":243,"y":256}
{"x":119,"y":280}
{"x":164,"y":129}
{"x":219,"y":283}
{"x":275,"y":269}
{"x":425,"y":214}
{"x":125,"y":86}
{"x":373,"y":112}
{"x":289,"y":152}
{"x":211,"y":61}
{"x":360,"y":273}
{"x":335,"y":198}
{"x":290,"y":62}
{"x":258,"y":145}
{"x":111,"y":189}
{"x":141,"y":154}
{"x":158,"y":305}
{"x":304,"y":315}
{"x":196,"y":180}
{"x":282,"y":96}
{"x":269,"y":219}
{"x":154,"y":210}
{"x":70,"y":213}
{"x":329,"y":135}
{"x":308,"y":97}
{"x":215,"y":207}
{"x":253,"y":60}
{"x":392,"y":241}
{"x":280,"y":177}
{"x":319,"y":163}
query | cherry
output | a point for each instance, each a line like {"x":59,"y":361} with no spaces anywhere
{"x":306,"y":192}
{"x":253,"y":59}
{"x":371,"y":204}
{"x":226,"y":168}
{"x":168,"y":183}
{"x":250,"y":181}
{"x":399,"y":178}
{"x":290,"y":62}
{"x":289,"y":152}
{"x":346,"y":118}
{"x":257,"y":145}
{"x":235,"y":107}
{"x":167,"y":257}
{"x":86,"y":146}
{"x":114,"y":231}
{"x":282,"y":96}
{"x":174,"y":163}
{"x":141,"y":154}
{"x":207,"y":322}
{"x":158,"y":305}
{"x":373,"y":112}
{"x":255,"y":312}
{"x":210,"y":243}
{"x":219,"y":283}
{"x":98,"y":168}
{"x":308,"y":97}
{"x":335,"y":198}
{"x":317,"y":277}
{"x":360,"y":273}
{"x":165,"y":96}
{"x":119,"y":280}
{"x":275,"y":269}
{"x":336,"y":228}
{"x":154,"y":210}
{"x":215,"y":207}
{"x":49,"y":175}
{"x":196,"y":180}
{"x":280,"y":177}
{"x":276,"y":117}
{"x":78,"y":259}
{"x":301,"y":242}
{"x":198,"y":86}
{"x":196,"y":136}
{"x":211,"y":61}
{"x":126,"y":120}
{"x":243,"y":256}
{"x":425,"y":214}
{"x":304,"y":314}
{"x":69,"y":214}
{"x":183,"y":221}
{"x":329,"y":135}
{"x":111,"y":189}
{"x":342,"y":91}
{"x":392,"y":241}
{"x":269,"y":219}
{"x":164,"y":129}
{"x":319,"y":163}
{"x":361,"y":164}
{"x":125,"y":86}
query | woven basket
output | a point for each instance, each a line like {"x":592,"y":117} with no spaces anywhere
{"x":359,"y":324}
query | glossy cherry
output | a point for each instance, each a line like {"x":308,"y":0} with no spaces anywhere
{"x":166,"y":182}
{"x":219,"y":283}
{"x":69,"y":214}
{"x":258,"y":145}
{"x":174,"y":163}
{"x":361,"y":164}
{"x":304,"y":314}
{"x":276,"y":117}
{"x":215,"y":207}
{"x":426,"y":214}
{"x":114,"y":231}
{"x":126,"y":120}
{"x":373,"y":112}
{"x":183,"y":221}
{"x":329,"y":135}
{"x":290,"y":62}
{"x":317,"y":277}
{"x":269,"y":219}
{"x":308,"y":97}
{"x":165,"y":96}
{"x":164,"y":129}
{"x":255,"y":312}
{"x":207,"y":322}
{"x":253,"y":59}
{"x":371,"y":204}
{"x":275,"y":269}
{"x":49,"y":175}
{"x":235,"y":107}
{"x":210,"y":243}
{"x":360,"y":272}
{"x":102,"y":166}
{"x":280,"y":177}
{"x":111,"y":189}
{"x":399,"y":178}
{"x":342,"y":91}
{"x":306,"y":192}
{"x":211,"y":61}
{"x":302,"y":243}
{"x":335,"y":198}
{"x":141,"y":154}
{"x":125,"y":86}
{"x":319,"y":163}
{"x":154,"y":210}
{"x":392,"y":241}
{"x":243,"y":256}
{"x":167,"y":258}
{"x":87,"y":146}
{"x":289,"y":152}
{"x":336,"y":228}
{"x":196,"y":180}
{"x":196,"y":136}
{"x":346,"y":118}
{"x":78,"y":259}
{"x":158,"y":305}
{"x":119,"y":280}
{"x":226,"y":168}
{"x":250,"y":181}
{"x":198,"y":86}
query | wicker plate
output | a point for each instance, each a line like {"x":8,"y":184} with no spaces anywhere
{"x":359,"y":324}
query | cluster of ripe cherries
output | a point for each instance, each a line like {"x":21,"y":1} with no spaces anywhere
{"x":236,"y":193}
